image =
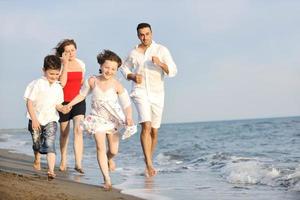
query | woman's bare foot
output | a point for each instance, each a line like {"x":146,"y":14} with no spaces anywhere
{"x":62,"y":167}
{"x":111,"y":165}
{"x":37,"y":165}
{"x":107,"y":185}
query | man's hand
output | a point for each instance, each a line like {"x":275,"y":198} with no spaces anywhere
{"x":156,"y":60}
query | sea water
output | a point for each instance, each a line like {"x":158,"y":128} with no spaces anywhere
{"x":227,"y":160}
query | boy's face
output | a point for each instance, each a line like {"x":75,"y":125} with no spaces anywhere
{"x":109,"y":69}
{"x":52,"y":75}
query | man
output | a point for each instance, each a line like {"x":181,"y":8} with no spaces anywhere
{"x":146,"y":66}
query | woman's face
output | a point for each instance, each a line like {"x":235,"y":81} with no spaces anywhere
{"x":70,"y":50}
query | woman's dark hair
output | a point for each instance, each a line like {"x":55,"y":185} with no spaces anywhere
{"x":60,"y":47}
{"x":108,"y":55}
{"x":52,"y":62}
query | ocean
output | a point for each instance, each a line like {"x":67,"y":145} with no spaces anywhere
{"x":256,"y":159}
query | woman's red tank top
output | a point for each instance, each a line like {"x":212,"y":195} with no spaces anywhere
{"x":72,"y":86}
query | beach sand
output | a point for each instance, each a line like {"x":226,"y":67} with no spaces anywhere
{"x":18,"y":180}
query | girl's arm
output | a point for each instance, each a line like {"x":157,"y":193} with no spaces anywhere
{"x":31,"y":111}
{"x":125,"y":103}
{"x":88,"y":85}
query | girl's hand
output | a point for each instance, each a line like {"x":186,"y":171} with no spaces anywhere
{"x":129,"y":122}
{"x":35,"y":125}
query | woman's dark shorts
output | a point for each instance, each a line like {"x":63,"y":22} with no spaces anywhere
{"x":77,"y":109}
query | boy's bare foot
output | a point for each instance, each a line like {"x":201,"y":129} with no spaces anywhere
{"x":37,"y":165}
{"x":51,"y":176}
{"x":111,"y":165}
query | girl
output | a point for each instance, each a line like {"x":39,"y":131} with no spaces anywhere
{"x":106,"y":118}
{"x":71,"y":79}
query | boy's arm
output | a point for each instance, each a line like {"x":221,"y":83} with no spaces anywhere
{"x":31,"y":111}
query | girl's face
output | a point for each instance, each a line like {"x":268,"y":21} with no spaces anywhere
{"x":52,"y":75}
{"x":109,"y":69}
{"x":70,"y":50}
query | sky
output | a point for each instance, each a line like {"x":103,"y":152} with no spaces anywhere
{"x":236,"y":59}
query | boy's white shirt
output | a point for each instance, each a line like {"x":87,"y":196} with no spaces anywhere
{"x":45,"y":97}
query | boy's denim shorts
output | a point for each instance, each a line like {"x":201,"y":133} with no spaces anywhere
{"x":44,"y":141}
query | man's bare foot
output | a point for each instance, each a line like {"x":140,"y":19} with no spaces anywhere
{"x":111,"y":165}
{"x":37,"y":165}
{"x":150,"y":171}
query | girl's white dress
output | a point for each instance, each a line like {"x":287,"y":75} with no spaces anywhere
{"x":106,"y":113}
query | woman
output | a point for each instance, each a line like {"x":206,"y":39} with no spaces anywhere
{"x":71,"y":79}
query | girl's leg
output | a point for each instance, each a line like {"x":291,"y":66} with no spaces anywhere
{"x":102,"y":158}
{"x":113,"y":148}
{"x":78,"y":141}
{"x":63,"y":141}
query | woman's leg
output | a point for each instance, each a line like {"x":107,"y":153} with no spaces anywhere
{"x":102,"y":158}
{"x":113,"y":148}
{"x":78,"y":141}
{"x":63,"y":141}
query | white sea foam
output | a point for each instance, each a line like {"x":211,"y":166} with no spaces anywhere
{"x":250,"y":171}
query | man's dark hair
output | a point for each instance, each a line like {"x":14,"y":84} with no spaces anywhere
{"x":143,"y":25}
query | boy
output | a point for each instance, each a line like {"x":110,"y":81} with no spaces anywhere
{"x":43,"y":98}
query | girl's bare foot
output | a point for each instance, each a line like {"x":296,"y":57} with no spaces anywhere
{"x":37,"y":165}
{"x":111,"y":165}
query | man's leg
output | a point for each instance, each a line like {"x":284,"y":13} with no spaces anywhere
{"x":154,"y":134}
{"x":146,"y":142}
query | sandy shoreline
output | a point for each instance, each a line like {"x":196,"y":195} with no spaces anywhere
{"x":18,"y":180}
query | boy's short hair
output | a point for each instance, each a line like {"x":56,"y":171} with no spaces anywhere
{"x":52,"y":62}
{"x":143,"y":25}
{"x":108,"y":55}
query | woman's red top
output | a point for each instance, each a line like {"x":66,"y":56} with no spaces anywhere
{"x":72,"y":86}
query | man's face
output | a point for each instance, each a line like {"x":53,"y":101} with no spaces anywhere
{"x":145,"y":36}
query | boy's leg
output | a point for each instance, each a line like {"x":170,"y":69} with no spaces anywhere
{"x":37,"y":160}
{"x":48,"y":146}
{"x":113,"y":148}
{"x":36,"y":144}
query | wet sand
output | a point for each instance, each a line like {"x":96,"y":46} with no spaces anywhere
{"x":18,"y":180}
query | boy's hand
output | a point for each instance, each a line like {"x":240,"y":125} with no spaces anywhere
{"x":35,"y":125}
